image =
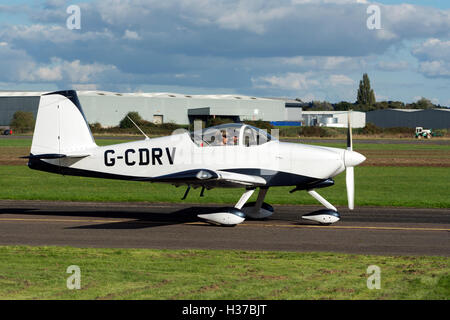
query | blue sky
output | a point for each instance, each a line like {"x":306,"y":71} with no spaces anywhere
{"x":307,"y":49}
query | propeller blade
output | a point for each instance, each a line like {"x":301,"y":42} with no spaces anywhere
{"x":349,"y":132}
{"x":350,"y":183}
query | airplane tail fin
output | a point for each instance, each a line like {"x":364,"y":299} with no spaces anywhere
{"x":61,"y":127}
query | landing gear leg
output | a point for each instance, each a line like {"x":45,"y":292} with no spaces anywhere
{"x":259,"y":209}
{"x":244,"y":198}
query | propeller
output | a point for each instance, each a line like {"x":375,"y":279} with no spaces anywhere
{"x":349,"y":171}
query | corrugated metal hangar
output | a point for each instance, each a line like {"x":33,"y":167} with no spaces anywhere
{"x":109,"y":108}
{"x":411,"y":118}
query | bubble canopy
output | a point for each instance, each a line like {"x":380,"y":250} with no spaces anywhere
{"x":231,"y":134}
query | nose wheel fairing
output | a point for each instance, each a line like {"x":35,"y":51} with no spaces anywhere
{"x":323,"y":216}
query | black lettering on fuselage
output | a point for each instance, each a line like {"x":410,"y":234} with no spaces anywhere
{"x":156,"y":155}
{"x":140,"y":157}
{"x":171,"y":157}
{"x":127,"y":159}
{"x":144,"y":157}
{"x":109,"y":162}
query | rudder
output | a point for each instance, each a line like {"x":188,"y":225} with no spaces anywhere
{"x":61,"y":127}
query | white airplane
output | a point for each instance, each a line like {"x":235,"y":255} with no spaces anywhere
{"x":226,"y":156}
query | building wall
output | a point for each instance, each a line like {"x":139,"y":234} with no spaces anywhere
{"x":110,"y":108}
{"x":334,"y":118}
{"x":9,"y":105}
{"x":293,"y":114}
{"x":429,"y":118}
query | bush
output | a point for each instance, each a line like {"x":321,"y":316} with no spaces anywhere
{"x":261,"y":124}
{"x":370,"y":128}
{"x":22,"y":121}
{"x":95,"y":127}
{"x":217,"y":121}
{"x":316,"y":132}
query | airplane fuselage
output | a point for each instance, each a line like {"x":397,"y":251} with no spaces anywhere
{"x":280,"y":163}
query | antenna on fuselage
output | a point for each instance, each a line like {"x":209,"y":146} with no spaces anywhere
{"x":146,"y":138}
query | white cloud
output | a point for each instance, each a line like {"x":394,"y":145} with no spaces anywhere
{"x":132,"y":35}
{"x":288,"y":81}
{"x":392,"y":65}
{"x":433,"y":49}
{"x":327,"y":63}
{"x":434,"y":57}
{"x":435,"y":68}
{"x":340,"y":80}
{"x":52,"y":33}
{"x":59,"y":70}
{"x":384,"y":34}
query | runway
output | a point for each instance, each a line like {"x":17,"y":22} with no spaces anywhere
{"x":366,"y":230}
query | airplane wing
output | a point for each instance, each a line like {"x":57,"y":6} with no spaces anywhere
{"x":210,"y":179}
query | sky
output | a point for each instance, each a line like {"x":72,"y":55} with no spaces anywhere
{"x":306,"y":49}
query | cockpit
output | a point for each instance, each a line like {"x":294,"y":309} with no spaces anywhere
{"x":231,"y":134}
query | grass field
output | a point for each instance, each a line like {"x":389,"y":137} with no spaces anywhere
{"x":26,"y":142}
{"x":377,"y":154}
{"x":40,"y":273}
{"x":375,"y":186}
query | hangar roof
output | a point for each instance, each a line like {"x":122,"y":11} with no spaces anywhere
{"x":138,"y":94}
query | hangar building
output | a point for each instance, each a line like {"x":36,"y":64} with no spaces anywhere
{"x":108,"y":108}
{"x":428,"y":118}
{"x":336,"y":119}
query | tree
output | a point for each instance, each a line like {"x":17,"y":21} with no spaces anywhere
{"x":22,"y":121}
{"x":317,"y":105}
{"x":366,"y":96}
{"x":343,"y":106}
{"x":424,"y":103}
{"x":126,"y":123}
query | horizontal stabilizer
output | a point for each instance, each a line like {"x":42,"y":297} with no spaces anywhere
{"x":55,"y":156}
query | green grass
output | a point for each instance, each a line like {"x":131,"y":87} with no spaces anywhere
{"x":357,"y":146}
{"x":387,"y":147}
{"x":40,"y":273}
{"x":426,"y":187}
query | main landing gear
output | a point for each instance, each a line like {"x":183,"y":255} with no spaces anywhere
{"x":261,"y":210}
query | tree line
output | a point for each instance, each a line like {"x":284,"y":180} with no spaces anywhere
{"x":365,"y":101}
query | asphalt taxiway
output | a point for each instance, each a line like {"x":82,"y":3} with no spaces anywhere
{"x":366,"y":230}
